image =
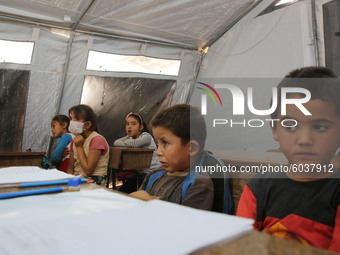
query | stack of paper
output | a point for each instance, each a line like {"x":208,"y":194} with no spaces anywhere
{"x":154,"y":227}
{"x":23,"y":174}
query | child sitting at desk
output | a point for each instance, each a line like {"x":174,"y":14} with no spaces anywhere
{"x":302,"y":205}
{"x":59,"y":129}
{"x":177,"y":150}
{"x":137,"y":136}
{"x":89,"y":152}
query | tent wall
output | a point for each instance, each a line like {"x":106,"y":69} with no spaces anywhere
{"x":265,"y":46}
{"x":56,"y":81}
{"x":46,"y":71}
{"x":259,"y":47}
{"x":269,"y":45}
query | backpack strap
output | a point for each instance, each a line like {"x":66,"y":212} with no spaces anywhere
{"x":154,"y":177}
{"x":189,"y":179}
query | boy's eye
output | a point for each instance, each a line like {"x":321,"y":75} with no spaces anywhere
{"x":320,"y":127}
{"x":291,"y":128}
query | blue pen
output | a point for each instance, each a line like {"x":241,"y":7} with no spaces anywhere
{"x":31,"y":192}
{"x":35,"y":184}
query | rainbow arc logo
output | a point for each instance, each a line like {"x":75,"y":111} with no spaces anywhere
{"x":211,"y":92}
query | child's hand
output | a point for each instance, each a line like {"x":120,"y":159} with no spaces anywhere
{"x":79,"y":141}
{"x":142,"y":194}
{"x":66,"y":152}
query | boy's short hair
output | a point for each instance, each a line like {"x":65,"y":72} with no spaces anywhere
{"x":177,"y":119}
{"x":322,"y":83}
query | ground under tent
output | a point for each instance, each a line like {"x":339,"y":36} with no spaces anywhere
{"x":143,"y":55}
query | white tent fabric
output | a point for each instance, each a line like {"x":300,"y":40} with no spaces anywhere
{"x":64,"y":31}
{"x":190,"y":23}
{"x":242,"y":45}
{"x":261,"y":47}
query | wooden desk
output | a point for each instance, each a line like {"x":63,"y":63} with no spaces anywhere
{"x":262,"y":244}
{"x":124,"y":159}
{"x":20,"y":158}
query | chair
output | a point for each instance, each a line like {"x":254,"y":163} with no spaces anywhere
{"x":123,"y":159}
{"x":223,"y":201}
{"x":237,"y":185}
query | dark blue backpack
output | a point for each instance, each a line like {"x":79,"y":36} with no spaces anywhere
{"x":222,"y":196}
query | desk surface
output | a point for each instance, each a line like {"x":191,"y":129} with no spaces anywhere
{"x":23,"y":153}
{"x":21,"y":158}
{"x":262,"y":244}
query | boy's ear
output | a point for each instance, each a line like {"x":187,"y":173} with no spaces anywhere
{"x":194,"y":147}
{"x":274,"y":131}
{"x":64,"y":125}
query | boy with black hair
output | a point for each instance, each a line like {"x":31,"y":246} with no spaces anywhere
{"x":303,"y":203}
{"x":179,"y":148}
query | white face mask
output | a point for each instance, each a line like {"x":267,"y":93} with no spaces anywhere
{"x":76,"y":127}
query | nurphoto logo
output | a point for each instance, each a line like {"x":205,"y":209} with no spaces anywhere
{"x":239,"y":99}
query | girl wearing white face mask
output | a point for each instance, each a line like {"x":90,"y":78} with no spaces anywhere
{"x":89,"y":153}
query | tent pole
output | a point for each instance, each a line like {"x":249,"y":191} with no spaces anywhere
{"x":68,"y":54}
{"x":36,"y":23}
{"x":69,"y":46}
{"x":82,"y":15}
{"x":195,"y":79}
{"x":315,"y":34}
{"x":244,"y":13}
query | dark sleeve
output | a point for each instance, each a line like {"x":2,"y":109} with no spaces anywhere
{"x":200,"y":195}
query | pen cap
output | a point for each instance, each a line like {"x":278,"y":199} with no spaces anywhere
{"x":74,"y":184}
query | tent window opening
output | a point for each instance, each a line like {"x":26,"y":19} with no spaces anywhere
{"x":13,"y":98}
{"x":99,"y":61}
{"x":16,"y":52}
{"x":112,"y":98}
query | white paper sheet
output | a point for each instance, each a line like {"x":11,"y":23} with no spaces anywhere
{"x":23,"y":174}
{"x":34,"y":209}
{"x":154,"y":227}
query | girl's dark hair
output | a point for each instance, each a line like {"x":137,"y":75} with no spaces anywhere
{"x":139,"y":119}
{"x":83,"y":111}
{"x":62,"y":119}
